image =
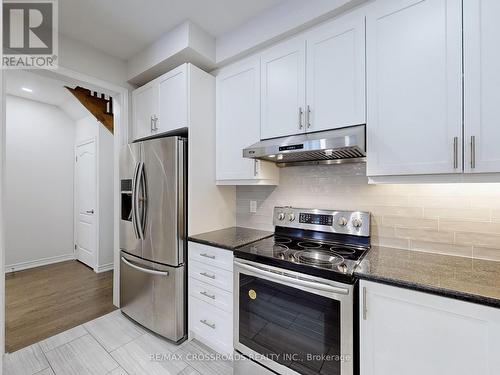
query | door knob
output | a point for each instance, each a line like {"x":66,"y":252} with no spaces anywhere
{"x":89,"y":211}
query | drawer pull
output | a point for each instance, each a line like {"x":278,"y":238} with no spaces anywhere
{"x":212,"y":296}
{"x":207,"y":255}
{"x":211,"y":325}
{"x":207,"y":275}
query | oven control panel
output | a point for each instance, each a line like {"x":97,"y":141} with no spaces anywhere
{"x":317,"y":219}
{"x":342,"y":222}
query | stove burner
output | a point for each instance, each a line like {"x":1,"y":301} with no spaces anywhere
{"x":286,"y":255}
{"x":282,"y":240}
{"x":344,"y":251}
{"x":280,"y":250}
{"x":271,"y":248}
{"x":319,"y":258}
{"x":309,"y":245}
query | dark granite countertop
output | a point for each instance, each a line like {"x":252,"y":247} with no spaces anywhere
{"x":230,"y":238}
{"x":472,"y":280}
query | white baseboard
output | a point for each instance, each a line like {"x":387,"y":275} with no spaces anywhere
{"x":39,"y":262}
{"x":104,"y":268}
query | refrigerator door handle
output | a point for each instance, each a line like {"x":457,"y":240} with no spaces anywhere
{"x":143,"y":199}
{"x":142,"y":269}
{"x":134,"y":207}
{"x":140,"y":216}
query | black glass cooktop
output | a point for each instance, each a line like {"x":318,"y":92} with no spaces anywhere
{"x":306,"y":255}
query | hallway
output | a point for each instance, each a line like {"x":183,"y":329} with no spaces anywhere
{"x":44,"y":301}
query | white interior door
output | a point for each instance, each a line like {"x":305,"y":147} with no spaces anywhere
{"x":86,"y":200}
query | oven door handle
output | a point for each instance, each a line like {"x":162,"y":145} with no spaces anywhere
{"x":292,"y":280}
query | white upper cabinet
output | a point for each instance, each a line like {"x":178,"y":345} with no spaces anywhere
{"x":283,"y":89}
{"x":161,"y":105}
{"x":414,"y":87}
{"x":238,"y":125}
{"x":145,"y":106}
{"x":315,"y":81}
{"x":173,"y":100}
{"x":335,"y":79}
{"x":482,"y":85}
{"x":414,"y":333}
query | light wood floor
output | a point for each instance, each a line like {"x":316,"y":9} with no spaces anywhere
{"x":43,"y":301}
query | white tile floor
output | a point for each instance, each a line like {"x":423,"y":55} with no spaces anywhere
{"x":114,"y":345}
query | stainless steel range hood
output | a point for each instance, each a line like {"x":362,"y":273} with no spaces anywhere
{"x":326,"y":147}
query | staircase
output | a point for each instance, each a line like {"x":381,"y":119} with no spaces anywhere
{"x":100,"y":106}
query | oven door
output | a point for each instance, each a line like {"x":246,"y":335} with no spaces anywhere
{"x":293,"y":323}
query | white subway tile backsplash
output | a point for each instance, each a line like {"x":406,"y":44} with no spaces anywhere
{"x":486,"y":253}
{"x":457,"y":225}
{"x":458,"y":213}
{"x":410,"y":222}
{"x":441,"y":248}
{"x":456,"y":219}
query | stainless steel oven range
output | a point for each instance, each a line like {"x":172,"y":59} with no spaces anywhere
{"x":295,"y":294}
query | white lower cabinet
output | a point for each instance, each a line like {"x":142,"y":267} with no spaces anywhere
{"x":414,"y":333}
{"x":210,"y":301}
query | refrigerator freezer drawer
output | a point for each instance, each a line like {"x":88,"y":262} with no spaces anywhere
{"x":154,"y":295}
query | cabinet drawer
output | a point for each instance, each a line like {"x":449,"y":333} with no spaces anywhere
{"x":215,"y":296}
{"x":211,"y":255}
{"x":211,"y":275}
{"x":211,"y":325}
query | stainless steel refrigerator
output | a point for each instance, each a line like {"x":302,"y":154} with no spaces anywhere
{"x":153,"y":287}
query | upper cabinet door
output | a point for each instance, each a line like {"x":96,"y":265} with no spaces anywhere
{"x":482,"y":85}
{"x":283,"y":89}
{"x":145,"y":107}
{"x":414,"y":70}
{"x":336,"y":74}
{"x":173,"y":100}
{"x":238,"y":119}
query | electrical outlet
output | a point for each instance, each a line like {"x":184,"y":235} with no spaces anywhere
{"x":253,"y":206}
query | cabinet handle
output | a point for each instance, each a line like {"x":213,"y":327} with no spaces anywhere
{"x":151,"y":124}
{"x":212,"y":296}
{"x":473,"y":152}
{"x":211,"y":325}
{"x":301,"y":112}
{"x":207,"y":255}
{"x":155,"y":122}
{"x":207,"y":275}
{"x":364,"y":303}
{"x":455,"y":152}
{"x":255,"y":172}
{"x":308,"y":116}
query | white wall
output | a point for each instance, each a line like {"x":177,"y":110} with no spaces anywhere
{"x":82,"y":58}
{"x":86,"y":129}
{"x":186,"y":42}
{"x":39,"y":182}
{"x":275,"y":24}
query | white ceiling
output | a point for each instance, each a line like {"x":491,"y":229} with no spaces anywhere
{"x":45,"y":90}
{"x":123,"y":28}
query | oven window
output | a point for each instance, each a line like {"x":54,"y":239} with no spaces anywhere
{"x":297,"y":329}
